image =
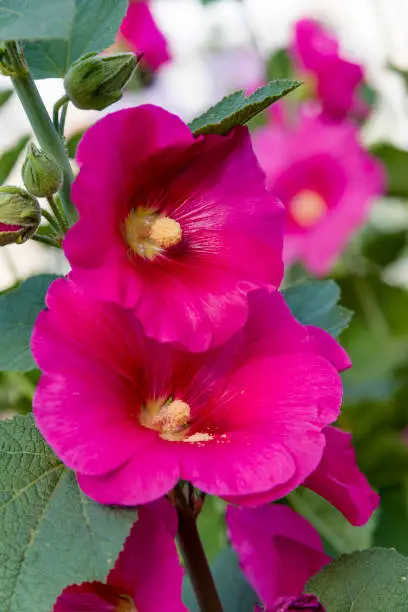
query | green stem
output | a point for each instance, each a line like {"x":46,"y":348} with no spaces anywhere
{"x":58,"y":214}
{"x":62,"y":119}
{"x":55,"y":113}
{"x":194,"y":556}
{"x":51,"y":220}
{"x":43,"y":128}
{"x":46,"y":240}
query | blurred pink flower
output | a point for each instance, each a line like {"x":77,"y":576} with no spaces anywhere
{"x":278,"y":552}
{"x":338,"y":479}
{"x":141,"y":33}
{"x":326,"y":180}
{"x":336,"y":79}
{"x":177,"y":228}
{"x":147,"y":575}
{"x":134,"y":416}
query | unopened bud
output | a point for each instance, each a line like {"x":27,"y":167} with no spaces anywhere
{"x":42,"y":174}
{"x":96,"y":81}
{"x":20,"y":215}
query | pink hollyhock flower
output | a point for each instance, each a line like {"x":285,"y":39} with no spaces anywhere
{"x":176,"y":228}
{"x":133,"y":416}
{"x":141,"y":33}
{"x":336,"y":79}
{"x":338,"y":479}
{"x":147,"y":575}
{"x":326,"y":180}
{"x":278,"y":552}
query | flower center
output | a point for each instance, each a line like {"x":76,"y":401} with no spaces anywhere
{"x":126,"y":604}
{"x":307,"y":207}
{"x":166,"y":232}
{"x":170,"y":419}
{"x":148,"y":234}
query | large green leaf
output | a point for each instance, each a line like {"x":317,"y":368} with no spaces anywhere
{"x":235,"y":593}
{"x":51,"y":534}
{"x":238,"y":109}
{"x":35,"y":19}
{"x":396,"y":164}
{"x":95,"y":25}
{"x":316,"y":303}
{"x":374,"y":580}
{"x":9,"y":158}
{"x":18,"y":311}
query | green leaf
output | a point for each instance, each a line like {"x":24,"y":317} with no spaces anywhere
{"x":235,"y":593}
{"x":95,"y":26}
{"x":392,"y":524}
{"x":51,"y":534}
{"x":18,"y":311}
{"x":316,"y":303}
{"x":35,"y":20}
{"x":5,"y":94}
{"x":382,"y":249}
{"x":396,"y":164}
{"x":9,"y":158}
{"x":374,"y":580}
{"x":379,"y":320}
{"x":237,"y":109}
{"x":279,"y":65}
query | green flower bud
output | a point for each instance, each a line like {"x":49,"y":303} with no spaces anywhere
{"x":20,"y":215}
{"x":96,"y":81}
{"x":42,"y":174}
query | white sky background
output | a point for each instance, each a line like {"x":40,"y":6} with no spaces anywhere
{"x":213,"y":55}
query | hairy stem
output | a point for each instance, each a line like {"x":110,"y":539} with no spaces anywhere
{"x":42,"y":126}
{"x":59,"y":215}
{"x":51,"y":220}
{"x":55,"y":114}
{"x":194,"y":556}
{"x":46,"y":240}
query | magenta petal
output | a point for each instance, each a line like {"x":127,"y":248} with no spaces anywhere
{"x":83,"y":401}
{"x":152,"y":473}
{"x":88,"y":597}
{"x":338,"y":479}
{"x":336,"y":78}
{"x":278,"y":550}
{"x":139,"y":29}
{"x":278,"y":442}
{"x":324,"y":344}
{"x":149,"y":567}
